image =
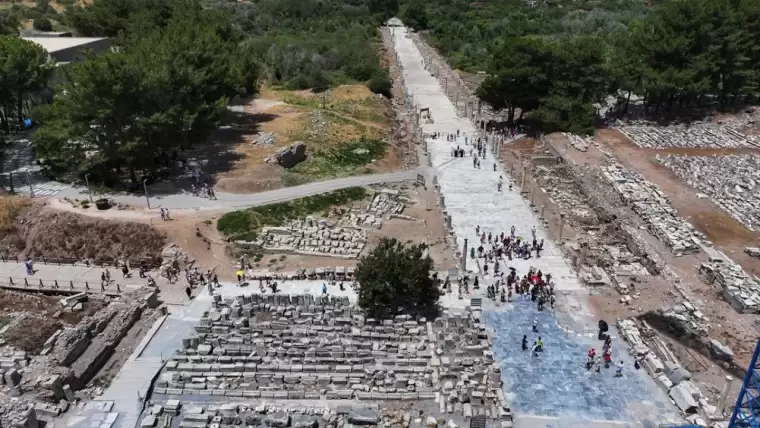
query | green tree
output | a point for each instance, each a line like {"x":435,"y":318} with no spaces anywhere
{"x":9,"y":22}
{"x":43,"y":24}
{"x":414,"y":14}
{"x":112,"y":18}
{"x":24,"y":69}
{"x":396,"y":278}
{"x":122,"y":112}
{"x":380,"y":83}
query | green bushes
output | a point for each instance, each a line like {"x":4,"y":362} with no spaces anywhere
{"x":245,"y":224}
{"x":43,"y":24}
{"x":380,"y":83}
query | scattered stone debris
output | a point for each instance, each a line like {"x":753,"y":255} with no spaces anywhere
{"x":564,"y":192}
{"x":265,"y":139}
{"x":344,"y":237}
{"x":650,"y":203}
{"x":668,"y":373}
{"x":732,"y":182}
{"x":579,"y":143}
{"x":289,"y":156}
{"x":337,"y":273}
{"x":739,"y":289}
{"x":321,"y":347}
{"x":686,"y":136}
{"x":196,"y":415}
{"x":685,"y":318}
{"x":313,"y":236}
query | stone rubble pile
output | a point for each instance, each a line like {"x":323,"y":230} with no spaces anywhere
{"x":739,"y":289}
{"x":18,"y":414}
{"x":321,"y":347}
{"x":265,"y":139}
{"x":198,"y":415}
{"x":650,"y":203}
{"x":338,"y":273}
{"x":579,"y":143}
{"x":344,"y":237}
{"x":564,"y":192}
{"x":732,"y":182}
{"x":315,"y":237}
{"x":667,"y":372}
{"x":693,"y":136}
{"x":386,"y":202}
{"x":685,"y":317}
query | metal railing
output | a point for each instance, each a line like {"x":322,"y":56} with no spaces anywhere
{"x":59,"y":287}
{"x":149,"y":264}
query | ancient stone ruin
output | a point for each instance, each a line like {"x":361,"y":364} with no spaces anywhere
{"x":668,"y":373}
{"x":732,"y":182}
{"x":739,"y":289}
{"x":650,"y":203}
{"x":303,"y":347}
{"x":342,"y":237}
{"x":311,"y":236}
{"x":691,"y":136}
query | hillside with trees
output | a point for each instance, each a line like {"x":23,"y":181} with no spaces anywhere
{"x":554,"y":61}
{"x":124,"y":113}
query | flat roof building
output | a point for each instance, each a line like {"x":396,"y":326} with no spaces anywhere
{"x":68,"y":49}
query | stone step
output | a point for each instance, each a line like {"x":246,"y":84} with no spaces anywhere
{"x":476,"y":302}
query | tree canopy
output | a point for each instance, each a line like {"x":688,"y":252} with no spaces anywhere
{"x":125,"y":112}
{"x":682,"y":53}
{"x":396,"y":278}
{"x":24,"y":69}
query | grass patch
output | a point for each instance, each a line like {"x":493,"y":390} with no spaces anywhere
{"x":338,"y":161}
{"x":245,"y":224}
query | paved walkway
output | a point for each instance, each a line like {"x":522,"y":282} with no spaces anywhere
{"x":18,"y":159}
{"x":226,"y":201}
{"x":81,"y":275}
{"x":537,"y":386}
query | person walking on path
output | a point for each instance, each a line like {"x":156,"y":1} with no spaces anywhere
{"x":525,"y":342}
{"x":619,"y":371}
{"x":189,"y":292}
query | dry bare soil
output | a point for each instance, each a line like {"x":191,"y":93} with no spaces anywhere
{"x":31,"y":229}
{"x":340,"y":119}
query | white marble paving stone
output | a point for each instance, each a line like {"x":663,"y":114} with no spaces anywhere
{"x":471,"y":195}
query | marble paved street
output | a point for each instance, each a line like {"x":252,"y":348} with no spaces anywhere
{"x":556,"y":384}
{"x":471,"y":195}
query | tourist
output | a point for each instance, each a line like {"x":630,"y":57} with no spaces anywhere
{"x":619,"y":371}
{"x":534,"y":350}
{"x":535,"y":325}
{"x":525,"y":342}
{"x":125,"y":271}
{"x":540,"y":344}
{"x":189,"y":292}
{"x":324,"y":288}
